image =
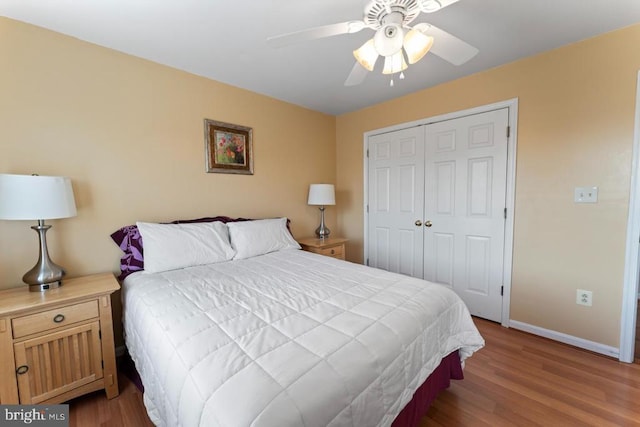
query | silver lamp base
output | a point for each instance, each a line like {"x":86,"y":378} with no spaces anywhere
{"x":45,"y":274}
{"x":45,"y":286}
{"x":322,"y":231}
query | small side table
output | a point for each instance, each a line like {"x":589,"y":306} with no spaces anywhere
{"x":57,"y":344}
{"x":331,"y":246}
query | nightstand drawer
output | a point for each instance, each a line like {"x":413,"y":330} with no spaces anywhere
{"x":330,"y":246}
{"x":335,"y":251}
{"x":51,"y":319}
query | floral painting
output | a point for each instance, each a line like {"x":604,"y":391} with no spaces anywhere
{"x":229,"y":148}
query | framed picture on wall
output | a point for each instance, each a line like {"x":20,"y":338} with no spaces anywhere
{"x":228,"y":148}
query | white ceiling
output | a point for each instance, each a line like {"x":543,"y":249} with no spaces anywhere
{"x":226,"y":40}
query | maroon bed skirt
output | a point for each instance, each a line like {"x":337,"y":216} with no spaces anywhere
{"x":450,"y":368}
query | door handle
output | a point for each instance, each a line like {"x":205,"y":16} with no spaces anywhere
{"x":418,"y":223}
{"x":428,"y":224}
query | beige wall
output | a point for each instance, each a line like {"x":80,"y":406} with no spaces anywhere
{"x":575,"y":128}
{"x":129,"y":133}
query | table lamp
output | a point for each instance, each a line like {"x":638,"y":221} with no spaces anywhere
{"x":33,"y":197}
{"x":322,"y":195}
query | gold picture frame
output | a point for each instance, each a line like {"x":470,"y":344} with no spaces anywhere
{"x":228,"y":148}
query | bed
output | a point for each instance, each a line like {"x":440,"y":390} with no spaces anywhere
{"x":282,"y":337}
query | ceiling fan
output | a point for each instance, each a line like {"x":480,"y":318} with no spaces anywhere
{"x":394,"y":38}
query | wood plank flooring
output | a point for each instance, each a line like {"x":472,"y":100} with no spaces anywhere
{"x":126,"y":410}
{"x":516,"y":380}
{"x":522,"y":380}
{"x":637,"y":347}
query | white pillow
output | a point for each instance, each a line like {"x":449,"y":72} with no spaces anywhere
{"x":173,"y":246}
{"x":253,"y":238}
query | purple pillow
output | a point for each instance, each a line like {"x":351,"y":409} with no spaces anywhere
{"x":129,"y":240}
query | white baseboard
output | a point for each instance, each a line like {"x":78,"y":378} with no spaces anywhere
{"x":567,"y":339}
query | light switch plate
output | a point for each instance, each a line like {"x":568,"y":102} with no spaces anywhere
{"x":586,"y":195}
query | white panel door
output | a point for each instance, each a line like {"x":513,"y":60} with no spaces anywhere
{"x":465,"y":188}
{"x":396,"y":201}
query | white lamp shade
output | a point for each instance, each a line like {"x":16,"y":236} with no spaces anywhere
{"x":416,"y":45}
{"x":366,"y":55}
{"x":33,"y":197}
{"x":321,"y":194}
{"x":394,"y":63}
{"x":389,"y":39}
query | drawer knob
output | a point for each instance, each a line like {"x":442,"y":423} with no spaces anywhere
{"x":333,"y":251}
{"x":22,"y":370}
{"x":58,"y":318}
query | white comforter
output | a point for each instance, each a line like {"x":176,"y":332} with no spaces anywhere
{"x":288,"y":339}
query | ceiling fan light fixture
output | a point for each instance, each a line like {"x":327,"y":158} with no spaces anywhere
{"x":416,"y":45}
{"x":388,"y":40}
{"x":396,"y":38}
{"x":394,"y":63}
{"x":366,"y":55}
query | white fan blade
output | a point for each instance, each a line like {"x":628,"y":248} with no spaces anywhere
{"x":447,"y":46}
{"x":446,"y":3}
{"x":316,"y":33}
{"x":430,"y":6}
{"x":357,"y":75}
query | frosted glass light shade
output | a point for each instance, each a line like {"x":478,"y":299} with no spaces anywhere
{"x":321,"y":195}
{"x":366,"y":55}
{"x":33,"y":197}
{"x":394,"y":63}
{"x":388,"y":40}
{"x":416,"y":45}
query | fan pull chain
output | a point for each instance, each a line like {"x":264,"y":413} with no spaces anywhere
{"x":401,"y":78}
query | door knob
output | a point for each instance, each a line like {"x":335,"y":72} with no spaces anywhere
{"x":428,"y":224}
{"x":418,"y":223}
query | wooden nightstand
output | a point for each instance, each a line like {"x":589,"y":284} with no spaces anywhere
{"x":331,"y":246}
{"x":57,"y":344}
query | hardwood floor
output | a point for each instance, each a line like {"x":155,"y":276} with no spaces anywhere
{"x":126,"y":410}
{"x":637,"y":347}
{"x":516,"y":380}
{"x":523,"y":380}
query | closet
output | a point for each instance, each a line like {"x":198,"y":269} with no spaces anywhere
{"x":436,"y":205}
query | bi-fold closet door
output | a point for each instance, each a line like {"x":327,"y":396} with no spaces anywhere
{"x":436,"y":205}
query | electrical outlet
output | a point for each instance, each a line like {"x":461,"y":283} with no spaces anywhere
{"x":584,"y":297}
{"x":585,"y":195}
